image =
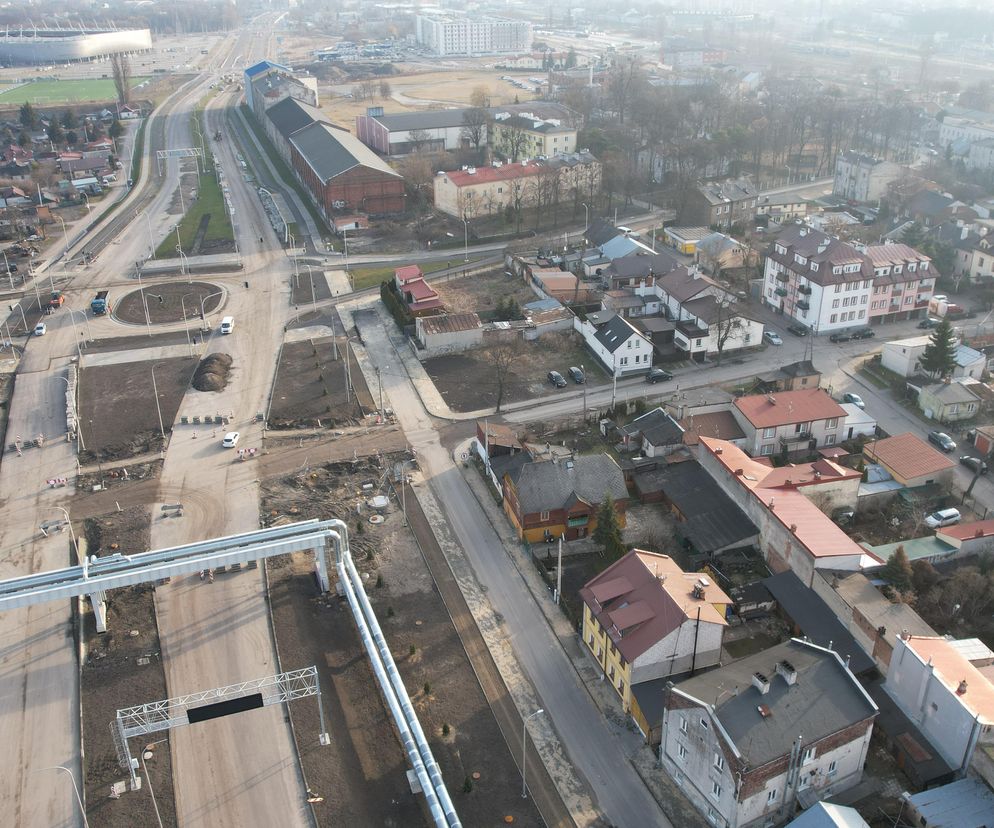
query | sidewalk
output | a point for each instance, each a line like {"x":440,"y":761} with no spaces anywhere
{"x":643,"y":759}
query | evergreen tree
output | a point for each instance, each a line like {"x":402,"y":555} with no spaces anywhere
{"x":55,"y":133}
{"x":939,"y":357}
{"x":27,"y":116}
{"x":116,"y":130}
{"x":607,"y":533}
{"x":913,"y":235}
{"x":69,"y":120}
{"x":897,"y":571}
{"x":23,"y":139}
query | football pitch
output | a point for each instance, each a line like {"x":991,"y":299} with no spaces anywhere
{"x":49,"y":92}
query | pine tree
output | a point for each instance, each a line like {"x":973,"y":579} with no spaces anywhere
{"x":913,"y":235}
{"x":55,"y":133}
{"x":939,"y":356}
{"x":897,"y":571}
{"x":116,"y":130}
{"x":27,"y":116}
{"x":607,"y":533}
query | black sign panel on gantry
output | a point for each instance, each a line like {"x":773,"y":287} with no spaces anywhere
{"x":224,"y":708}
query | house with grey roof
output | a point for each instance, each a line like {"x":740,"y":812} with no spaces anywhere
{"x":948,"y":402}
{"x":751,"y":741}
{"x":617,"y":344}
{"x":343,"y":174}
{"x":654,"y":434}
{"x":721,"y":203}
{"x":547,"y":499}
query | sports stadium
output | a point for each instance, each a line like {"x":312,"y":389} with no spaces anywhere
{"x":34,"y":46}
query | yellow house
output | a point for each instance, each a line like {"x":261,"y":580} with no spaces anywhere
{"x":644,"y":618}
{"x":516,"y":137}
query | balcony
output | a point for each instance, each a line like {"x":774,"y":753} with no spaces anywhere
{"x":794,"y":439}
{"x":805,"y":289}
{"x":921,"y":303}
{"x":782,"y":277}
{"x":781,"y":291}
{"x":803,"y":304}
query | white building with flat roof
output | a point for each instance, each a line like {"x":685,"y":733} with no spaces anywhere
{"x":459,"y":35}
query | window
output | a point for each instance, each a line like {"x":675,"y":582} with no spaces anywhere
{"x":543,"y":516}
{"x":809,"y":755}
{"x":862,"y":299}
{"x":704,"y":724}
{"x":838,"y":288}
{"x":832,"y":768}
{"x":623,"y":361}
{"x":636,"y":359}
{"x":833,"y":423}
{"x":621,"y":687}
{"x":829,"y":439}
{"x":500,"y":189}
{"x":835,"y":303}
{"x":683,"y":724}
{"x":770,"y":432}
{"x":771,"y":796}
{"x":713,"y":815}
{"x":766,"y":450}
{"x":831,"y":319}
{"x":629,"y":344}
{"x":678,"y":779}
{"x":697,"y":343}
{"x":638,"y":343}
{"x":682,"y":751}
{"x":719,"y":762}
{"x":716,"y":790}
{"x":862,"y":314}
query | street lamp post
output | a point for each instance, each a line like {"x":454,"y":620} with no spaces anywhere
{"x":184,"y":262}
{"x":310,"y":275}
{"x":186,"y":322}
{"x":158,"y":409}
{"x":141,"y":291}
{"x":72,"y":536}
{"x":65,"y":254}
{"x":86,"y":198}
{"x":148,"y":779}
{"x":7,"y":266}
{"x":379,"y":385}
{"x":586,"y":216}
{"x":75,"y":335}
{"x":465,"y":238}
{"x":89,"y":333}
{"x":203,"y":302}
{"x":524,"y":751}
{"x":583,"y":371}
{"x":151,"y":241}
{"x":24,"y":319}
{"x":75,"y":787}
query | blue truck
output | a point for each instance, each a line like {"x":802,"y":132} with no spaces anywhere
{"x":100,"y":304}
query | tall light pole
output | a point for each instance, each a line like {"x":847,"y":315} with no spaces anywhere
{"x":89,"y":333}
{"x":186,"y":322}
{"x":614,"y":381}
{"x":141,"y":291}
{"x":379,"y":385}
{"x":24,"y":319}
{"x":72,"y":536}
{"x":65,"y":254}
{"x":72,"y":776}
{"x":158,"y":409}
{"x":148,"y":779}
{"x":586,"y":216}
{"x":524,"y":750}
{"x":151,"y":241}
{"x":465,"y":237}
{"x":184,"y":262}
{"x":6,"y":265}
{"x":203,"y":302}
{"x":584,"y":372}
{"x":75,"y":335}
{"x":310,"y":275}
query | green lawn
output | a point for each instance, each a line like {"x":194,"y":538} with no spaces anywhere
{"x":47,"y":92}
{"x":364,"y":277}
{"x":209,"y":200}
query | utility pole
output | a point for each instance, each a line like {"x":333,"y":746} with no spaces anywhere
{"x":559,"y":571}
{"x":379,"y":384}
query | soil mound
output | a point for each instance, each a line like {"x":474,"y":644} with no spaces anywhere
{"x":212,"y":373}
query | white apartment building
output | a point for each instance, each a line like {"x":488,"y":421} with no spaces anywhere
{"x":863,"y":178}
{"x":451,"y":35}
{"x":818,"y":280}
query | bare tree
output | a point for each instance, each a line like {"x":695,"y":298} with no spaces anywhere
{"x":474,"y":129}
{"x":727,"y":321}
{"x":385,"y":89}
{"x":479,"y":98}
{"x":121,"y":67}
{"x":513,"y":143}
{"x":418,"y":138}
{"x":502,"y":358}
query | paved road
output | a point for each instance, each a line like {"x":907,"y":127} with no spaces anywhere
{"x":597,"y":754}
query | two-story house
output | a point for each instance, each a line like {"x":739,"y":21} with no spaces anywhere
{"x":551,"y":498}
{"x":720,"y":203}
{"x":903,"y":282}
{"x":618,"y":346}
{"x":948,"y":698}
{"x":750,"y":741}
{"x":863,"y":178}
{"x":789,"y":421}
{"x":818,"y":280}
{"x":975,"y":255}
{"x":519,"y":136}
{"x":644,"y":618}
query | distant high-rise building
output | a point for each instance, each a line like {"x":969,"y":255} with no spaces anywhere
{"x":451,"y":35}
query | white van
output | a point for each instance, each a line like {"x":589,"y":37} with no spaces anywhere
{"x":227,"y":324}
{"x":944,"y":517}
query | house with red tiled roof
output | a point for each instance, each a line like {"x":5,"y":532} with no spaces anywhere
{"x":791,"y":506}
{"x":968,"y":538}
{"x":910,"y":460}
{"x":789,"y":421}
{"x":644,"y":618}
{"x":948,"y":697}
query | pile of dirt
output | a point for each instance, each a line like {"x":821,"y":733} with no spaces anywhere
{"x":212,"y":373}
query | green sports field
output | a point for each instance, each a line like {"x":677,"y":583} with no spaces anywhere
{"x":48,"y":92}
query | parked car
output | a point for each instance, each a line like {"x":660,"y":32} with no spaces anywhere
{"x":843,"y":516}
{"x":855,"y":399}
{"x":557,"y":379}
{"x":772,"y":337}
{"x":41,"y":329}
{"x":840,"y":337}
{"x":973,"y":464}
{"x":943,"y":517}
{"x":798,"y":330}
{"x":942,"y":440}
{"x":864,"y":333}
{"x":576,"y":375}
{"x":928,"y":323}
{"x":658,"y":375}
{"x":230,"y":439}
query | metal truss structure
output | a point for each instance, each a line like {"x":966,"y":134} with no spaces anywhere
{"x":171,"y":713}
{"x":185,"y":152}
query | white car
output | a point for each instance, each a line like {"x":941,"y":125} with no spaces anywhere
{"x":230,"y":439}
{"x":944,"y":517}
{"x":854,"y":399}
{"x":41,"y":329}
{"x":772,"y":337}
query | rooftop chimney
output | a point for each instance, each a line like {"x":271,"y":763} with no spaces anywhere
{"x":761,"y":683}
{"x":961,"y":690}
{"x":787,"y":672}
